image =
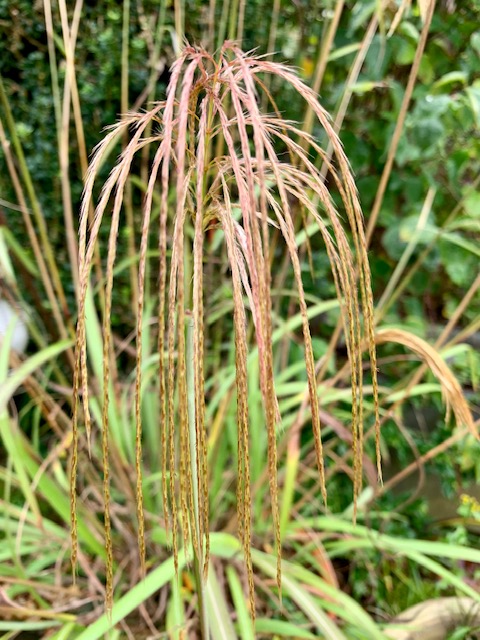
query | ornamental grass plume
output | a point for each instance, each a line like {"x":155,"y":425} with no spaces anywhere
{"x":246,"y":190}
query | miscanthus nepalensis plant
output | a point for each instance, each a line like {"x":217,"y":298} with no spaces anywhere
{"x":216,"y":166}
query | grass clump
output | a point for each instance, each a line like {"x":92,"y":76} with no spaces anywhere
{"x":215,"y":156}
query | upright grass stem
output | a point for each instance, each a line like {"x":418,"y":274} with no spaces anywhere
{"x":132,"y":251}
{"x":52,"y":282}
{"x":387,"y":170}
{"x":321,"y":64}
{"x":197,"y":552}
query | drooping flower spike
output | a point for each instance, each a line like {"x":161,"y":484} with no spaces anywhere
{"x":213,"y":103}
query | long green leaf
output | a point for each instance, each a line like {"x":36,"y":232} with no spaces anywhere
{"x":221,"y":626}
{"x":21,"y":373}
{"x":155,"y":580}
{"x":300,"y":595}
{"x":175,"y":612}
{"x":27,"y":626}
{"x":65,"y":632}
{"x":282,"y":628}
{"x":9,"y":436}
{"x":9,"y":433}
{"x":60,"y":502}
{"x":399,"y":545}
{"x":244,"y":620}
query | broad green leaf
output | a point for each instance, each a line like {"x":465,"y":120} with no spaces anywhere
{"x":406,"y":28}
{"x":473,"y":96}
{"x":471,"y":200}
{"x":475,"y":41}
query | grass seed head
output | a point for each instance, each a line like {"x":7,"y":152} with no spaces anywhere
{"x":215,"y":151}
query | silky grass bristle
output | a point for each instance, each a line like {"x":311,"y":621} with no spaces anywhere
{"x":214,"y":103}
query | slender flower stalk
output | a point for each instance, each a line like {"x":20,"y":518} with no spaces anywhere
{"x":243,"y":193}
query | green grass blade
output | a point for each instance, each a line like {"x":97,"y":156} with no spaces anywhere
{"x":133,"y":598}
{"x":289,"y":488}
{"x":282,"y":629}
{"x":18,"y":627}
{"x":65,"y":632}
{"x":244,"y":620}
{"x":175,"y":612}
{"x":454,"y":581}
{"x":221,"y":626}
{"x":309,"y":605}
{"x":119,"y":429}
{"x":60,"y":502}
{"x":397,"y":545}
{"x":19,"y":374}
{"x":9,"y":433}
{"x":10,"y":438}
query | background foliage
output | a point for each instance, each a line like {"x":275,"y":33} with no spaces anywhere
{"x":424,"y":256}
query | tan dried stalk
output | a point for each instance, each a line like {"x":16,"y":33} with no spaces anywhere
{"x":250,"y":179}
{"x":452,"y":393}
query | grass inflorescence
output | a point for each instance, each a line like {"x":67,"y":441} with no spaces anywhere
{"x":247,"y":191}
